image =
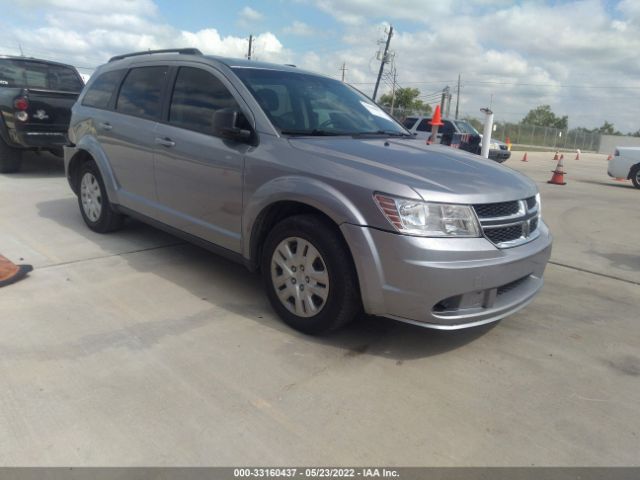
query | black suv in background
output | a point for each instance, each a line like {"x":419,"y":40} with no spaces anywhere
{"x":471,"y":139}
{"x":36,"y":97}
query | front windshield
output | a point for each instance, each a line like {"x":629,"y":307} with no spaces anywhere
{"x":303,"y":104}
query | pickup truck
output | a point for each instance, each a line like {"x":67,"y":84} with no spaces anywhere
{"x":626,"y":164}
{"x":36,"y":97}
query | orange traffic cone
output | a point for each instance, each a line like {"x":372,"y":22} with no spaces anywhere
{"x":555,"y":157}
{"x":524,"y":157}
{"x":10,"y":273}
{"x":578,"y":154}
{"x":558,"y":174}
{"x":435,"y":122}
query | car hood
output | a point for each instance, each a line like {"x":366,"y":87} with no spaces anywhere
{"x":435,"y":172}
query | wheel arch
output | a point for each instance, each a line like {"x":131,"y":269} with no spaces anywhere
{"x":89,"y":149}
{"x":634,"y":167}
{"x":290,"y":196}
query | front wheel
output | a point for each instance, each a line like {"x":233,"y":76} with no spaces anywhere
{"x":96,"y":210}
{"x":309,"y":275}
{"x":10,"y":158}
{"x":635,"y":176}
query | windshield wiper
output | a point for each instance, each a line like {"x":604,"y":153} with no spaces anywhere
{"x":389,"y":133}
{"x":313,"y":133}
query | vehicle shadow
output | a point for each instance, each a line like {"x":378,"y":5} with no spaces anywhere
{"x":611,"y":183}
{"x":40,"y":165}
{"x":621,"y":261}
{"x":230,"y":288}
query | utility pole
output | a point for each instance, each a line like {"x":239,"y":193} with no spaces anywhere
{"x":458,"y":97}
{"x":383,"y":60}
{"x":20,"y":47}
{"x":250,"y":46}
{"x":344,"y":69}
{"x":443,"y":100}
{"x":393,"y":89}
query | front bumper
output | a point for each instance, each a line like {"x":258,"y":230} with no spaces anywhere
{"x":500,"y":155}
{"x":445,"y":283}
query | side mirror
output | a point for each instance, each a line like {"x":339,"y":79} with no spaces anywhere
{"x":225,"y":125}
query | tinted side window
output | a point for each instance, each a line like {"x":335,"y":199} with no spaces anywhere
{"x":141,"y":92}
{"x":197,"y":94}
{"x":101,"y":90}
{"x":447,"y":128}
{"x":424,"y":125}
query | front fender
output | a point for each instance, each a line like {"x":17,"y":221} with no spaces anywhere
{"x":309,"y":191}
{"x":90,"y":145}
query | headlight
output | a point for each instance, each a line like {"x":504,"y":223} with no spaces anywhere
{"x":427,"y":219}
{"x":494,"y":146}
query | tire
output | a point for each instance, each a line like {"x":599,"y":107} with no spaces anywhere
{"x":95,"y":207}
{"x":635,"y":176}
{"x":317,"y":244}
{"x":10,"y":158}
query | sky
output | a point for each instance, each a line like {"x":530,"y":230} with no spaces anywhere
{"x":581,"y":57}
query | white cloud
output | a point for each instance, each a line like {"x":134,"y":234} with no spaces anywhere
{"x":299,"y":28}
{"x":249,"y":15}
{"x":72,"y":33}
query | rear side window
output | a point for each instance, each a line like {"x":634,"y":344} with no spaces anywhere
{"x":197,"y":94}
{"x":31,"y":74}
{"x":141,"y":92}
{"x":424,"y":125}
{"x":101,"y":90}
{"x":447,"y":128}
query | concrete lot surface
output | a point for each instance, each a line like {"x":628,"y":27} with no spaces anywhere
{"x":135,"y":348}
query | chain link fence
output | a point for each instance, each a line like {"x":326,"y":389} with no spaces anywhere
{"x":547,"y":137}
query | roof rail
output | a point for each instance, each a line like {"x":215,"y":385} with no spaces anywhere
{"x":182,"y":51}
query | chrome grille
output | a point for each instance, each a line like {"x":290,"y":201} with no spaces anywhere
{"x":508,"y":224}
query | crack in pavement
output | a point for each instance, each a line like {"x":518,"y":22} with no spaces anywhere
{"x":584,"y":270}
{"x":80,"y":260}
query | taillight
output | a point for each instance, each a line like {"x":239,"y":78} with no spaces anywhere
{"x":21,"y":103}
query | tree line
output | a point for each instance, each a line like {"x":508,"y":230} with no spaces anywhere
{"x":408,"y":99}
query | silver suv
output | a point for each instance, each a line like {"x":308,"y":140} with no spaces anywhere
{"x":307,"y":180}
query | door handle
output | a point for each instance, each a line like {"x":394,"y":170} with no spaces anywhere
{"x":165,"y":142}
{"x":105,"y":126}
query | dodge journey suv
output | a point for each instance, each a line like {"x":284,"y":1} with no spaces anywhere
{"x":308,"y":181}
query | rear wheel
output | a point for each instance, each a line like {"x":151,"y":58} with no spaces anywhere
{"x":96,"y":210}
{"x":635,"y":176}
{"x":309,"y":275}
{"x":10,"y":158}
